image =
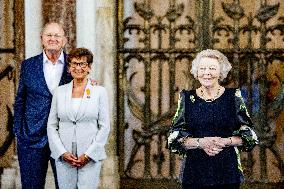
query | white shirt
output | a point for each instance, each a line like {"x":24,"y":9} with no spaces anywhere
{"x":76,"y":103}
{"x":53,"y":72}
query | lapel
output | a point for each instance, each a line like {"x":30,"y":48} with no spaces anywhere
{"x":66,"y":77}
{"x":68,"y":101}
{"x":38,"y":65}
{"x":85,"y":101}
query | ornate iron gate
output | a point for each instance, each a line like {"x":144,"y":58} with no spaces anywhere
{"x":157,"y":41}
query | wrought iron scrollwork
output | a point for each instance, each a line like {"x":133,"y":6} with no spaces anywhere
{"x":233,"y":10}
{"x":266,"y":12}
{"x":154,"y":123}
{"x":255,"y":68}
{"x":250,"y":60}
{"x":172,"y":14}
{"x":236,"y":12}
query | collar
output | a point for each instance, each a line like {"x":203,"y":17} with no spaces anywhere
{"x":60,"y":59}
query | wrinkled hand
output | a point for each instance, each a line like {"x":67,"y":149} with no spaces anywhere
{"x":71,"y":159}
{"x":224,"y":142}
{"x":83,"y":160}
{"x":211,"y":145}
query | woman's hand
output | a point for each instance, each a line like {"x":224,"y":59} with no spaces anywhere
{"x":83,"y":160}
{"x":211,"y":145}
{"x":71,"y":159}
{"x":230,"y":141}
{"x":224,"y":142}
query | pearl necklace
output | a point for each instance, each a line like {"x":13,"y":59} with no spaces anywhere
{"x":210,"y":99}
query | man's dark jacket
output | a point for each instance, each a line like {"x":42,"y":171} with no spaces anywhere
{"x":33,"y":102}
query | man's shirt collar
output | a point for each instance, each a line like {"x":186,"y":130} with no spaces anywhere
{"x":60,"y":59}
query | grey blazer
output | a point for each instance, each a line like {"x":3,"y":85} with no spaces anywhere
{"x":91,"y":123}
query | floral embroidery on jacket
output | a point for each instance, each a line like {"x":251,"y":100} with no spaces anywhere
{"x":178,"y":129}
{"x":192,"y":98}
{"x":248,"y":136}
{"x":242,"y":104}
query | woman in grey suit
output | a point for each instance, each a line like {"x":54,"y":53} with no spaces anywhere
{"x":78,"y":126}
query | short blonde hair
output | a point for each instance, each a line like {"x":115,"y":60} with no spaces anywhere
{"x":225,"y":65}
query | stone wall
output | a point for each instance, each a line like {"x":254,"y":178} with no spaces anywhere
{"x":11,"y":52}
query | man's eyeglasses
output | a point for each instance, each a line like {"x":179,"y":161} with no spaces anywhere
{"x":81,"y":64}
{"x":50,"y":35}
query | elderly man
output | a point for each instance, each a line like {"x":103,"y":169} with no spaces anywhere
{"x":40,"y":75}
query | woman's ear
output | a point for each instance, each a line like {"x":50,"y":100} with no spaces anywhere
{"x":90,"y":68}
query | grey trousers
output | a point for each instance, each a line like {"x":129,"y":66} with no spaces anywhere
{"x":70,"y":177}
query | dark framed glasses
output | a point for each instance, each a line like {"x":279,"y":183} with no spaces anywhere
{"x":80,"y":64}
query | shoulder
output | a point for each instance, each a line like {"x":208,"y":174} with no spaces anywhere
{"x":236,"y":94}
{"x":233,"y":91}
{"x":60,"y":91}
{"x":186,"y":96}
{"x":184,"y":92}
{"x":100,"y":89}
{"x":62,"y":88}
{"x":31,"y":61}
{"x":100,"y":92}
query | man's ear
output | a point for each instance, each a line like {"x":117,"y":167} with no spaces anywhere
{"x":64,"y":41}
{"x":41,"y":38}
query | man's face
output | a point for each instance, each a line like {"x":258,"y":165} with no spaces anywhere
{"x":53,"y":37}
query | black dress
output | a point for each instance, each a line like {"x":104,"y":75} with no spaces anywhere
{"x":222,"y":117}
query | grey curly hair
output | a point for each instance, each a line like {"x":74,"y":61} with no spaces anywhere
{"x":225,"y":65}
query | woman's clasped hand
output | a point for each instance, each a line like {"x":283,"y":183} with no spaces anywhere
{"x":75,"y":161}
{"x":211,"y":145}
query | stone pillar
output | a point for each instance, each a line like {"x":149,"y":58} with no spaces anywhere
{"x":104,"y":71}
{"x":33,"y":25}
{"x":64,"y":12}
{"x":85,"y":22}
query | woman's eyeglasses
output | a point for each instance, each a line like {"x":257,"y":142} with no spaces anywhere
{"x":80,"y":64}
